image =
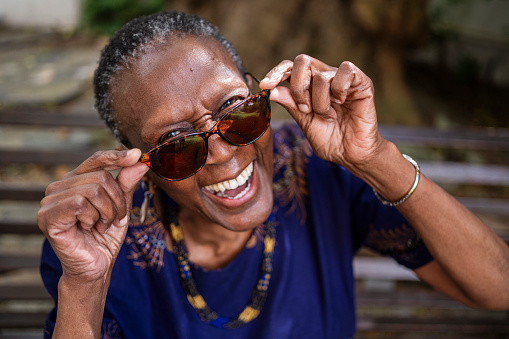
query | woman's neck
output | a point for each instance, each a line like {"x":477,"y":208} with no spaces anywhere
{"x":210,"y":245}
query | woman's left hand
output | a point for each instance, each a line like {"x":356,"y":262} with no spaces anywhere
{"x":333,"y":106}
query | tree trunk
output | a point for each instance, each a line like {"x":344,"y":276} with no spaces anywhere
{"x":373,"y":34}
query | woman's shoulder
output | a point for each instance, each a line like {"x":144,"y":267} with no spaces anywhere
{"x":301,"y":178}
{"x":292,"y":153}
{"x":289,"y":134}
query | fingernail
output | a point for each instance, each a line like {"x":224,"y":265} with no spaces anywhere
{"x":303,"y":108}
{"x":123,"y":222}
{"x":337,"y":101}
{"x":129,"y":152}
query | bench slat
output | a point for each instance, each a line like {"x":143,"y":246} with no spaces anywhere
{"x":24,"y":292}
{"x":380,"y":269}
{"x":52,"y":119}
{"x":45,"y":157}
{"x":444,"y":325}
{"x":460,"y":173}
{"x":9,"y":262}
{"x":21,"y":192}
{"x":475,"y":139}
{"x":21,"y":227}
{"x":492,"y":139}
{"x":484,"y":205}
{"x":23,"y":320}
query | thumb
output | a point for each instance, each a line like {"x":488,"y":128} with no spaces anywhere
{"x":127,"y":179}
{"x":129,"y":176}
{"x":283,"y":96}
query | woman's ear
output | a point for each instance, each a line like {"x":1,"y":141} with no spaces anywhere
{"x":251,"y":82}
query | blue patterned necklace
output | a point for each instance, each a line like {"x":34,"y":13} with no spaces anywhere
{"x":257,"y":296}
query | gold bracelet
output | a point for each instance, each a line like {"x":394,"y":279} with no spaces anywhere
{"x":412,"y":190}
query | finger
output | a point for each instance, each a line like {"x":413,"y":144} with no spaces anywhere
{"x":282,"y":96}
{"x":104,"y":210}
{"x":128,"y":178}
{"x":321,"y":98}
{"x":86,"y":214}
{"x":278,"y":74}
{"x":300,"y":82}
{"x":106,"y":160}
{"x":60,"y":214}
{"x":102,"y":178}
{"x":101,"y":201}
{"x":347,"y":77}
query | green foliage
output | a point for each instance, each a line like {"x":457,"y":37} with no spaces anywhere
{"x":107,"y":16}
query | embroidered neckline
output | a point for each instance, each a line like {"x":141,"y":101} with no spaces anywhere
{"x":257,"y":296}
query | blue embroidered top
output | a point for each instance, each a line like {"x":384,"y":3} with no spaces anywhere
{"x":324,"y":215}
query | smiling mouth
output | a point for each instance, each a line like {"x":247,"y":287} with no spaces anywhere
{"x":234,"y":188}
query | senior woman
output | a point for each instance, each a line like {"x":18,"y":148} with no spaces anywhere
{"x":237,"y":230}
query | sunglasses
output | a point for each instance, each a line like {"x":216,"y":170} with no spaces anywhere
{"x":183,"y":156}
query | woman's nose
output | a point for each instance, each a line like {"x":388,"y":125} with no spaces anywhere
{"x":220,"y":151}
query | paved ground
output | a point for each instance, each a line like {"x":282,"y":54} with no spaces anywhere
{"x":44,"y":69}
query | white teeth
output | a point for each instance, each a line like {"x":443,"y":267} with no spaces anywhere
{"x":241,"y":179}
{"x":233,"y":183}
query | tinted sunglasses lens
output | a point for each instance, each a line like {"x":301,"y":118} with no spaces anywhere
{"x":247,"y":122}
{"x":181,"y":158}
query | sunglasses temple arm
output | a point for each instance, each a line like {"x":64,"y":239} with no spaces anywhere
{"x":252,"y":76}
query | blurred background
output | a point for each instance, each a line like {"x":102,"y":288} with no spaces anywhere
{"x":441,"y":75}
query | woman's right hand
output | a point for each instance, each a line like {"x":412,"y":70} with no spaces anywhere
{"x":85,"y":215}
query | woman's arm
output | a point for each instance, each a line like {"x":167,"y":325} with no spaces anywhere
{"x":471,"y":261}
{"x":80,"y":308}
{"x":335,"y":109}
{"x":85,"y":217}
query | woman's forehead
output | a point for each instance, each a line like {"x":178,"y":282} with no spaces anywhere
{"x":183,"y":64}
{"x":186,"y":54}
{"x":180,"y":77}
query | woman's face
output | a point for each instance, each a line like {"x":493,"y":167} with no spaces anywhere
{"x":177,"y":89}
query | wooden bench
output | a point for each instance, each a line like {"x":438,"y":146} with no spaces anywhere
{"x":390,"y":300}
{"x":25,"y":303}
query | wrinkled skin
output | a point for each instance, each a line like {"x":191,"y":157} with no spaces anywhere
{"x":334,"y":107}
{"x":180,"y":89}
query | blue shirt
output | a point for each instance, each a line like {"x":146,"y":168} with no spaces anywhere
{"x":324,"y":215}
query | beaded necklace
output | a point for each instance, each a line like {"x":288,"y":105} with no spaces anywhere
{"x":257,"y":296}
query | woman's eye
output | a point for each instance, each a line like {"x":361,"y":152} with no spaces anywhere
{"x":228,"y":103}
{"x":169,"y":135}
